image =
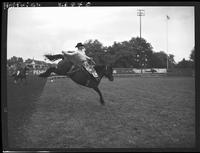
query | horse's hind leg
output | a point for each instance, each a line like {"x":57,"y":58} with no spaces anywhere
{"x":15,"y":78}
{"x":21,"y":79}
{"x":25,"y":80}
{"x":101,"y":97}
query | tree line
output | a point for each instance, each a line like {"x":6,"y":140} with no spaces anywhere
{"x":19,"y":60}
{"x":135,"y":53}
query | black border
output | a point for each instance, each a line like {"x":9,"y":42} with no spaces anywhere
{"x":197,"y":72}
{"x":4,"y":141}
{"x":4,"y":16}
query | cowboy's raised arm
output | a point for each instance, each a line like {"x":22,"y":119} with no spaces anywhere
{"x":90,"y":59}
{"x":87,"y":57}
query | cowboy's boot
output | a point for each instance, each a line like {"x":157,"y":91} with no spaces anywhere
{"x":94,"y":73}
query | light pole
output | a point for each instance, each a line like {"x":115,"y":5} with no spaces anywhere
{"x":140,"y":13}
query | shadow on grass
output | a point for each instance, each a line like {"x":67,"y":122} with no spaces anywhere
{"x":20,"y":104}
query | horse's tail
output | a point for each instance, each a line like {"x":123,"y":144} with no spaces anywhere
{"x":54,"y":57}
{"x":48,"y":72}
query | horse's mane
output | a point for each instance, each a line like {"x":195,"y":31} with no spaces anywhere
{"x":101,"y":67}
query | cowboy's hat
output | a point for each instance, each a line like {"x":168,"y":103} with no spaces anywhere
{"x":79,"y":45}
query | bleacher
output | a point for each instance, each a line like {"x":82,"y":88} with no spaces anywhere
{"x":181,"y":72}
{"x":130,"y":72}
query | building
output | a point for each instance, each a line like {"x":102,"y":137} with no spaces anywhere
{"x":36,"y":67}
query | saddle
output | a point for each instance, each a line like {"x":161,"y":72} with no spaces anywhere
{"x":75,"y":69}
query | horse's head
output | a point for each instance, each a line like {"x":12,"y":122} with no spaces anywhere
{"x":109,"y":72}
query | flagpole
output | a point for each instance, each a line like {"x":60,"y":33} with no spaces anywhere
{"x":167,"y":41}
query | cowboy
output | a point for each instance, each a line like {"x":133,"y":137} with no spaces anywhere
{"x":20,"y":67}
{"x":79,"y":58}
{"x":14,"y":69}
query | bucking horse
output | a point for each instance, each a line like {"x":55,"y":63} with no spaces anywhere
{"x":79,"y":74}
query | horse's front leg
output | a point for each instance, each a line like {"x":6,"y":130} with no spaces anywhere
{"x":101,"y":97}
{"x":25,"y":80}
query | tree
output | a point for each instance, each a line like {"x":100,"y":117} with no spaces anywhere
{"x":28,"y":60}
{"x":171,"y":61}
{"x":14,"y":60}
{"x":158,"y":60}
{"x":136,"y":52}
{"x":143,"y":51}
{"x":122,"y":54}
{"x":20,"y":60}
{"x":192,"y":55}
{"x":96,"y":50}
{"x":124,"y":62}
{"x":131,"y":53}
{"x":185,"y":64}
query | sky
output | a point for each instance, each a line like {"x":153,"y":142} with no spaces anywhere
{"x":33,"y":32}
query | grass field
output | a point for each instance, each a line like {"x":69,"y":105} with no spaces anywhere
{"x":139,"y":113}
{"x":21,"y":99}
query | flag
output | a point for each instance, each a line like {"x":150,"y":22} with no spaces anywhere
{"x":168,"y":17}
